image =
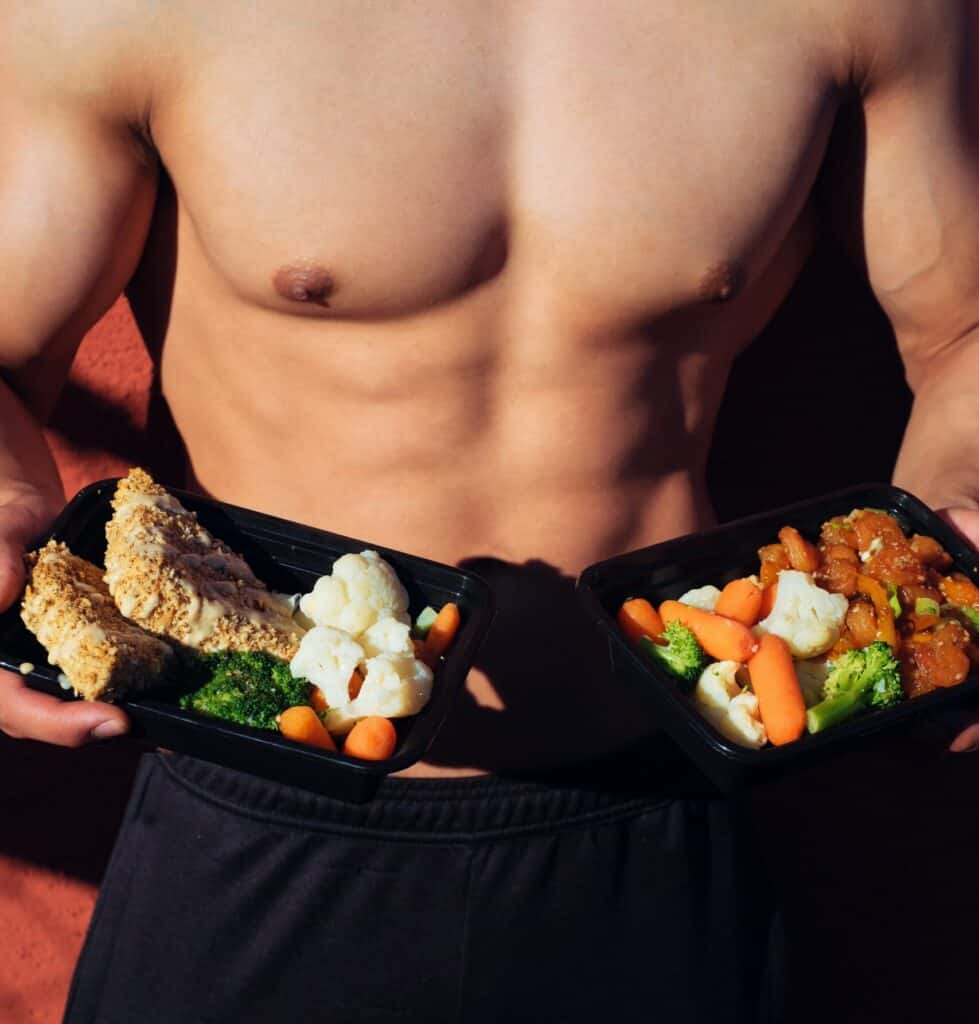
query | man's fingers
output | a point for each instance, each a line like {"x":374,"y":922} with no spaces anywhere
{"x":965,"y":521}
{"x":26,"y":714}
{"x":19,"y":525}
{"x":967,"y":741}
{"x":11,"y":573}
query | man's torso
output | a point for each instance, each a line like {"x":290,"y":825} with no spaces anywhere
{"x":466,"y":280}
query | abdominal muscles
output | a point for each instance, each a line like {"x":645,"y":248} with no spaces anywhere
{"x":453,"y":437}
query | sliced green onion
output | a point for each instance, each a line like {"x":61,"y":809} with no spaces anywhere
{"x":972,"y":614}
{"x":893,"y":600}
{"x":926,"y":606}
{"x":424,"y":621}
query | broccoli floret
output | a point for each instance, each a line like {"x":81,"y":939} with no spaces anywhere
{"x":681,"y":655}
{"x":884,"y":671}
{"x":246,"y":687}
{"x":859,"y":679}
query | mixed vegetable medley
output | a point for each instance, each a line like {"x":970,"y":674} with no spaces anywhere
{"x":863,"y":618}
{"x":361,"y":662}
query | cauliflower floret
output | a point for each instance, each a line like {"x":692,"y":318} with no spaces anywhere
{"x":743,"y":722}
{"x":703,"y":597}
{"x":812,"y":674}
{"x":717,"y":685}
{"x":732,"y":712}
{"x":387,"y":636}
{"x":340,"y":720}
{"x":327,"y":657}
{"x":806,"y":617}
{"x":361,"y":621}
{"x":361,"y":590}
{"x":394,"y":686}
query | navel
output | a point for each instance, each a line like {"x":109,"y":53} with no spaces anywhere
{"x":305,"y":282}
{"x":723,"y":281}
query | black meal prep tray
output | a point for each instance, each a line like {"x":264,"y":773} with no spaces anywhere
{"x":725,"y":553}
{"x":289,"y":558}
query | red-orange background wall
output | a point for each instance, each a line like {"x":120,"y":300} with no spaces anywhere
{"x":60,"y":809}
{"x":874,"y":853}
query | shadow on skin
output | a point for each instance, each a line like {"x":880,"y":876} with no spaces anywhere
{"x":87,"y":419}
{"x":62,"y":808}
{"x":549,"y":667}
{"x":150,"y":295}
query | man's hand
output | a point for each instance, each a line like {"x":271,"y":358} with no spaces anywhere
{"x":24,"y":713}
{"x":966,"y":522}
{"x":74,"y":167}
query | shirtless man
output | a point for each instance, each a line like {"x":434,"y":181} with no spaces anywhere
{"x":466,"y":280}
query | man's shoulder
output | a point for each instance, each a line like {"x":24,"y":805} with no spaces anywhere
{"x":903,"y":40}
{"x":69,"y":52}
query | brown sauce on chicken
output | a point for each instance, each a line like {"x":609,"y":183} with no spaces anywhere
{"x":900,"y":590}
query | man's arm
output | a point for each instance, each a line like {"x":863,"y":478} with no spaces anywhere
{"x":921,"y":230}
{"x":76,"y":196}
{"x":916,"y":69}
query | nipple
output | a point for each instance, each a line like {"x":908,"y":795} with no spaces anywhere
{"x":723,"y":281}
{"x":304,"y":282}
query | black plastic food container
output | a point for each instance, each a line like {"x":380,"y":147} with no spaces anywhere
{"x":717,"y":556}
{"x":289,"y":558}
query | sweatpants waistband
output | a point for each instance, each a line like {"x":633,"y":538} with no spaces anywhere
{"x":459,"y":809}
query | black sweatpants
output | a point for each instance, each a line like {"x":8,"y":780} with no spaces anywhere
{"x":586,"y":895}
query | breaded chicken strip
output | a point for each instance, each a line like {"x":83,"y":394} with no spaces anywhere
{"x":166,"y":572}
{"x":69,"y":609}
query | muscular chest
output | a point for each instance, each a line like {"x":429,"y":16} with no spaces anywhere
{"x":366,"y":160}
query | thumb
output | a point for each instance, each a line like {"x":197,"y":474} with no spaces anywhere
{"x":965,"y":521}
{"x":11,"y":572}
{"x":27,"y":714}
{"x":20,"y":525}
{"x":966,"y":741}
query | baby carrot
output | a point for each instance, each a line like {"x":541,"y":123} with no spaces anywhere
{"x":776,"y":685}
{"x":371,"y":739}
{"x":303,"y":724}
{"x":723,"y":639}
{"x":740,"y":600}
{"x":318,"y":701}
{"x":441,"y":634}
{"x":638,"y":618}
